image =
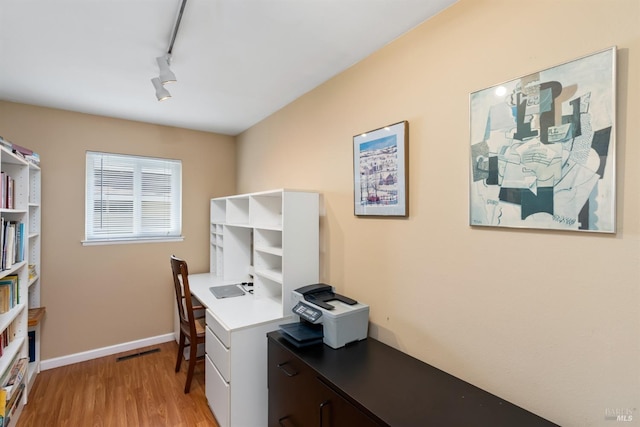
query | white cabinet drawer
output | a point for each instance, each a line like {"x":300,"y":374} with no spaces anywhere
{"x":218,"y":354}
{"x":218,"y":394}
{"x":223,"y":334}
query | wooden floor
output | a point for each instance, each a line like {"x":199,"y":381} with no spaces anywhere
{"x":137,"y":391}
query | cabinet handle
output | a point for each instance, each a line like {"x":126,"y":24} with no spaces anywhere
{"x":288,"y":373}
{"x":325,"y":404}
{"x":285,"y":422}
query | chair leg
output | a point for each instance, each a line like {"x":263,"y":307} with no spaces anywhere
{"x":180,"y":351}
{"x":193,"y":357}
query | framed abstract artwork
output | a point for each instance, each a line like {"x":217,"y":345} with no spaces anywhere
{"x":543,"y":149}
{"x":380,"y":171}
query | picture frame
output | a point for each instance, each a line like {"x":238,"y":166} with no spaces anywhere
{"x":380,"y":172}
{"x":543,"y":149}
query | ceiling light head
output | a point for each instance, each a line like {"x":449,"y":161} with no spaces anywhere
{"x":166,"y":75}
{"x":161,"y":92}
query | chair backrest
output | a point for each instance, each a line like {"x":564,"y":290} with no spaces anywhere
{"x":183,"y":294}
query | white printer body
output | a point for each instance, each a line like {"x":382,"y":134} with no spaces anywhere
{"x":343,"y":320}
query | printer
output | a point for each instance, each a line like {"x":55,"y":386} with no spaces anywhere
{"x":342,"y":319}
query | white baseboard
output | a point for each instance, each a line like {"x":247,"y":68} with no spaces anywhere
{"x":56,"y":362}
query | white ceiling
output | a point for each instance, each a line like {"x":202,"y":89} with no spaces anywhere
{"x":236,"y":61}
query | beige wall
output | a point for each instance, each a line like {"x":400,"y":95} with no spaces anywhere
{"x":547,"y":320}
{"x":98,"y":296}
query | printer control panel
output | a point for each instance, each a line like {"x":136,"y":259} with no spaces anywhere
{"x":307,"y":312}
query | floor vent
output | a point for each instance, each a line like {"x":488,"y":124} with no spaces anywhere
{"x":142,"y":353}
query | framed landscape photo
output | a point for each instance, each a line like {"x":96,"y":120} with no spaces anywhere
{"x":380,"y":171}
{"x":543,"y":149}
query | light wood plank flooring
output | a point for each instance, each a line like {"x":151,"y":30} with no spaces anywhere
{"x":137,"y":391}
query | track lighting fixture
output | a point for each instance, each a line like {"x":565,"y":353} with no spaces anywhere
{"x":161,"y":92}
{"x":166,"y":75}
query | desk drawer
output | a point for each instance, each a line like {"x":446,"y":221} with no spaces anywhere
{"x":218,"y":354}
{"x":218,"y":329}
{"x":218,"y":394}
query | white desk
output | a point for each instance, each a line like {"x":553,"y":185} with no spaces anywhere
{"x":236,"y":347}
{"x":236,"y":312}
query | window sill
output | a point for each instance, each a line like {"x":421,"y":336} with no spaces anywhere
{"x":129,"y":241}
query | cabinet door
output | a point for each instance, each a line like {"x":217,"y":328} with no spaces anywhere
{"x":336,"y":411}
{"x":218,"y":393}
{"x":293,"y":390}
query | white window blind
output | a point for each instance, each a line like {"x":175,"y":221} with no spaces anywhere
{"x":132,"y":198}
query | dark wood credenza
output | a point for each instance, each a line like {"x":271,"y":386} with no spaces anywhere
{"x":369,"y":383}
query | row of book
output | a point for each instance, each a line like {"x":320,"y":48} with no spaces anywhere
{"x":12,"y":379}
{"x":23,"y":152}
{"x":12,"y":389}
{"x":7,"y":191}
{"x":9,"y":292}
{"x":12,"y":242}
{"x":6,"y":337}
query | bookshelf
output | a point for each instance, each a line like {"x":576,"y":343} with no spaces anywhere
{"x":36,"y":311}
{"x":19,"y":278}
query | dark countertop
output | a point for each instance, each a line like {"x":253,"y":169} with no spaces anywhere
{"x":400,"y":390}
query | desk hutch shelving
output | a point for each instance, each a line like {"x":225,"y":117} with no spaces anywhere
{"x":270,"y":239}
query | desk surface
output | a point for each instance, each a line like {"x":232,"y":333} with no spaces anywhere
{"x":235,"y":312}
{"x":403,"y":391}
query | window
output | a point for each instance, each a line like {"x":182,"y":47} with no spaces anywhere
{"x":132,"y":198}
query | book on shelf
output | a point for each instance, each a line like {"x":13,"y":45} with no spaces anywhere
{"x":19,"y":246}
{"x":33,"y":271}
{"x":17,"y":373}
{"x":12,"y":388}
{"x":33,"y":158}
{"x":4,"y":419}
{"x":23,"y":152}
{"x":2,"y":228}
{"x":9,"y":292}
{"x":7,"y":336}
{"x":32,"y":345}
{"x":9,"y":244}
{"x":10,"y":192}
{"x":7,"y":191}
{"x":7,"y":373}
{"x":20,"y":149}
{"x":8,"y":409}
{"x":5,"y":142}
{"x":12,"y":242}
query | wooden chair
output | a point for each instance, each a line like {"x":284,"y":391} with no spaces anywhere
{"x":192,"y":328}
